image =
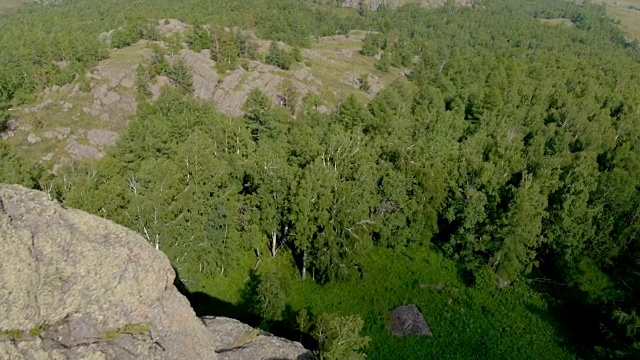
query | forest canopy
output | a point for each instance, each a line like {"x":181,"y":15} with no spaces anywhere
{"x":511,"y":147}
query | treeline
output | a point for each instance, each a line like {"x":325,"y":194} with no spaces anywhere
{"x":512,"y":145}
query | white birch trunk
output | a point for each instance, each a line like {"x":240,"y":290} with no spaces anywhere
{"x":304,"y":264}
{"x":273,"y":244}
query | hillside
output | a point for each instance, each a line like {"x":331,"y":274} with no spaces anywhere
{"x":309,"y":166}
{"x":628,"y":12}
{"x":83,"y":119}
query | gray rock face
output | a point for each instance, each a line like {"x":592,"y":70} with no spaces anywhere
{"x":407,"y":320}
{"x":205,"y":79}
{"x":76,"y":286}
{"x":237,"y":341}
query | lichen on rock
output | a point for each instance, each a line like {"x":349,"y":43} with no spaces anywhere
{"x":77,"y":286}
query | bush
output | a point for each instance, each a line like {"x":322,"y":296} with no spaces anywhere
{"x":339,"y":337}
{"x":4,"y":118}
{"x":278,"y":57}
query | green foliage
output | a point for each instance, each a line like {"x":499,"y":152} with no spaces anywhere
{"x":297,"y":55}
{"x":181,"y":75}
{"x":468,"y":322}
{"x":278,"y":57}
{"x":14,"y":170}
{"x":364,"y":83}
{"x":142,"y":82}
{"x":176,"y":70}
{"x":257,"y":113}
{"x":227,"y":47}
{"x":290,"y":96}
{"x":4,"y":117}
{"x":38,"y":330}
{"x":224,"y":49}
{"x":385,"y":62}
{"x":199,"y":39}
{"x":271,"y":297}
{"x":372,"y":44}
{"x":510,"y":146}
{"x":339,"y":337}
{"x":133,"y":31}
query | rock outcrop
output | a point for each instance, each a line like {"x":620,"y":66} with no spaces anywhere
{"x":237,"y":341}
{"x":76,"y":286}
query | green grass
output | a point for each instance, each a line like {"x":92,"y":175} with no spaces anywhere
{"x":478,"y":322}
{"x":127,"y":329}
{"x":562,"y":22}
{"x":38,"y":330}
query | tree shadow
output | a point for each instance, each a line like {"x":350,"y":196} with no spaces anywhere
{"x":206,"y":305}
{"x":247,"y":311}
{"x":575,"y":320}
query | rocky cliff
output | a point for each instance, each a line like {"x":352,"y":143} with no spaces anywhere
{"x":76,"y":286}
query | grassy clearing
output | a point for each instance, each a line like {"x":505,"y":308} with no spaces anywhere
{"x":331,"y":60}
{"x":561,"y":22}
{"x":628,"y":12}
{"x":477,"y":322}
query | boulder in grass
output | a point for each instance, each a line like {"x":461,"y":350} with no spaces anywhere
{"x":407,"y":320}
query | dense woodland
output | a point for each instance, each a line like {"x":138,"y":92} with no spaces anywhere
{"x":511,"y":149}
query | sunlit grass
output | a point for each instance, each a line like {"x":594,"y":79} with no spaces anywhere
{"x":628,"y":11}
{"x":479,"y":322}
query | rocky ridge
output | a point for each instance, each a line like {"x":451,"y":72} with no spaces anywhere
{"x":83,"y":119}
{"x":76,"y":286}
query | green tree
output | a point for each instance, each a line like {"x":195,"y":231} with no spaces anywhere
{"x":257,"y":113}
{"x":271,"y":296}
{"x":14,"y":170}
{"x":278,"y":57}
{"x":339,"y":337}
{"x":290,"y":95}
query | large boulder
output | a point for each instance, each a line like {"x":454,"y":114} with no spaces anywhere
{"x":76,"y":286}
{"x":407,"y":320}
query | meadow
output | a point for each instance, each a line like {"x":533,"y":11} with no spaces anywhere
{"x":470,"y":322}
{"x":628,"y":12}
